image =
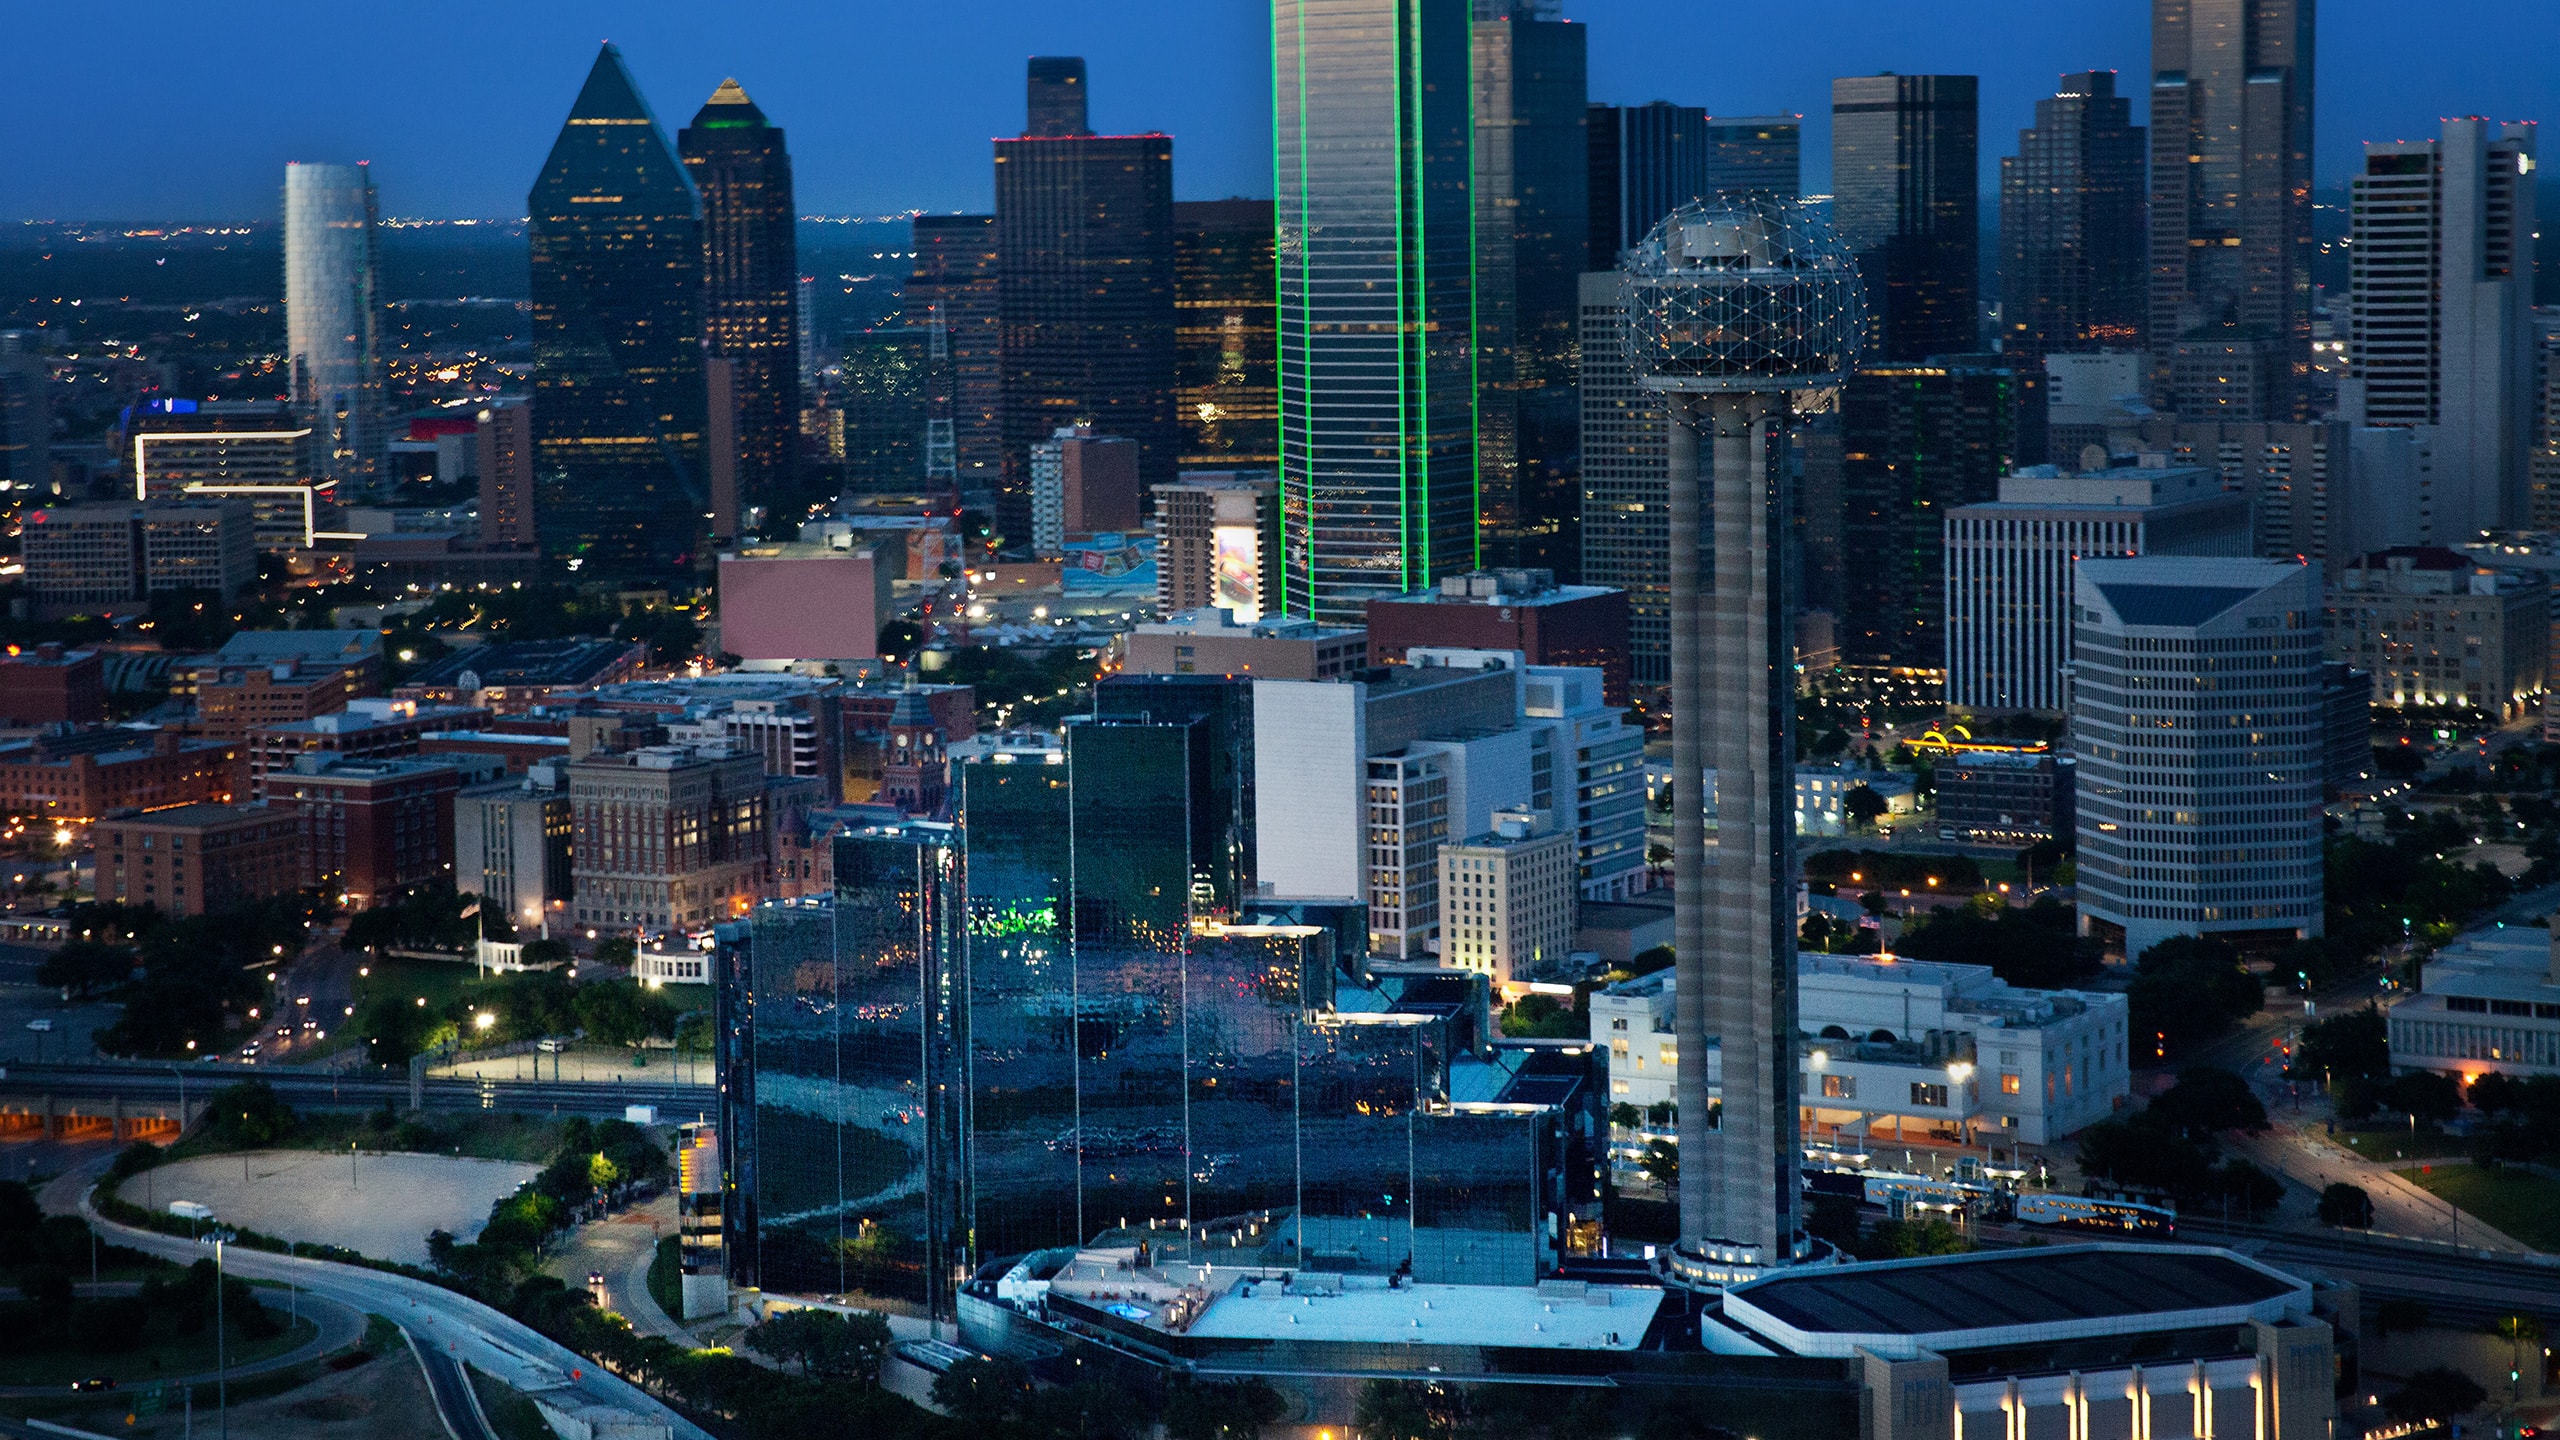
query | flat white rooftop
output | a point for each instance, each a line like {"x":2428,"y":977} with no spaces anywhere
{"x":1365,"y":1311}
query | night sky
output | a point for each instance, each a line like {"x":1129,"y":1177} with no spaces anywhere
{"x":188,"y":112}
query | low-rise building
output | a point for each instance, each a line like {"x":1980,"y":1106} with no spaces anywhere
{"x":1898,"y":1048}
{"x":359,"y":650}
{"x":2491,"y":1002}
{"x":515,"y":676}
{"x":2004,"y":797}
{"x":666,"y":838}
{"x":1215,"y":642}
{"x":1822,"y":796}
{"x":1507,"y":900}
{"x":807,"y":600}
{"x":86,"y":774}
{"x":1523,"y":610}
{"x":371,"y":729}
{"x":2438,"y":630}
{"x":49,"y":685}
{"x":116,"y":557}
{"x":898,"y":740}
{"x":197,"y":859}
{"x":1218,"y":543}
{"x":511,"y":844}
{"x":370,"y":830}
{"x":234,"y":699}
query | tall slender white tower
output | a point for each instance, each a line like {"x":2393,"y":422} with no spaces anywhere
{"x":1734,"y":306}
{"x":333,"y":316}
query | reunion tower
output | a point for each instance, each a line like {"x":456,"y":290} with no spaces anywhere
{"x":1736,"y":306}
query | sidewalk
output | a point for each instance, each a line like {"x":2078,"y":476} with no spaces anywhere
{"x":2399,"y":1207}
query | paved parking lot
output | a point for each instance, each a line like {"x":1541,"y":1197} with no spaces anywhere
{"x":382,"y":1205}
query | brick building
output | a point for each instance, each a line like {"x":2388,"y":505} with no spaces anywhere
{"x":666,"y":838}
{"x":48,"y":685}
{"x":233,"y":700}
{"x":1523,"y":610}
{"x":896,"y":739}
{"x":365,"y":730}
{"x":369,"y":830}
{"x":84,"y":775}
{"x":197,"y":859}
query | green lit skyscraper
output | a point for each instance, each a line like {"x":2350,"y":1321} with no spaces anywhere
{"x":618,"y":391}
{"x":1372,"y":147}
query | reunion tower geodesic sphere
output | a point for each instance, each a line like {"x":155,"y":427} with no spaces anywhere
{"x":1742,"y":293}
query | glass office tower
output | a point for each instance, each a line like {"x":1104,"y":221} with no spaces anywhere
{"x":618,"y":390}
{"x":1371,"y":162}
{"x":838,"y":1048}
{"x":751,"y":271}
{"x":1906,"y":198}
{"x":2072,"y":249}
{"x":333,"y":317}
{"x":1226,"y":381}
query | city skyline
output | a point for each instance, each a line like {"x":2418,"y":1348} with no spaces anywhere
{"x":1200,"y":73}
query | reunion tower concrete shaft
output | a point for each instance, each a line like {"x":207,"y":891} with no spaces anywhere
{"x":1732,"y":306}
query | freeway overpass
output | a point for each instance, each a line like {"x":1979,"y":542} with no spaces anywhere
{"x":129,"y":1096}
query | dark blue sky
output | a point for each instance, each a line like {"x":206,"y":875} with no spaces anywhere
{"x":188,"y":111}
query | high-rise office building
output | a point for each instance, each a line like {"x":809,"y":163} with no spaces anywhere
{"x":1371,"y":158}
{"x":1644,"y":162}
{"x":1532,"y":202}
{"x":1755,"y":155}
{"x":1917,"y":441}
{"x":1084,"y":286}
{"x":254,"y":450}
{"x":26,"y":412}
{"x":751,"y":270}
{"x":1625,"y":479}
{"x":619,"y":398}
{"x":2198,"y":814}
{"x":2440,"y":330}
{"x":2010,"y":564}
{"x":2073,"y":262}
{"x":2543,"y":510}
{"x":506,"y":446}
{"x":1226,"y":335}
{"x":2231,"y":242}
{"x":952,"y":291}
{"x":333,"y":316}
{"x":1905,"y":194}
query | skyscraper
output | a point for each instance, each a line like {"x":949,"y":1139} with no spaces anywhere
{"x":1626,"y":482}
{"x":751,"y":269}
{"x":2440,"y":332}
{"x":26,"y":412}
{"x":1644,"y":161}
{"x":954,"y":287}
{"x":1371,"y":162}
{"x":1904,"y":192}
{"x":506,"y":453}
{"x":1755,"y":154}
{"x":2072,"y":258}
{"x":1532,"y":199}
{"x":1226,"y":370}
{"x":619,"y":403}
{"x":333,"y":316}
{"x":2231,"y":242}
{"x":1084,"y":286}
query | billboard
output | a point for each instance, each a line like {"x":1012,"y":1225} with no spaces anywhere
{"x":1236,"y":558}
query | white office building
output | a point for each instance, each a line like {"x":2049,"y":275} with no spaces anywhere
{"x":2010,"y":563}
{"x":1507,"y":900}
{"x":2491,"y":1002}
{"x":2440,"y":332}
{"x":2196,"y":719}
{"x":1903,"y":1049}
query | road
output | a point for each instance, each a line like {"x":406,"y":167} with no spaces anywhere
{"x":437,"y":1321}
{"x":162,"y":1084}
{"x":451,"y":1387}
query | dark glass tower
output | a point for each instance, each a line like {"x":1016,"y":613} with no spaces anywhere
{"x":1905,"y":197}
{"x":2231,"y":241}
{"x":1084,"y":289}
{"x":1377,"y":299}
{"x":751,"y":269}
{"x":2072,"y":261}
{"x":1644,"y":162}
{"x":1227,"y":377}
{"x":1532,"y":199}
{"x":954,"y":286}
{"x":619,"y":399}
{"x":1917,"y":441}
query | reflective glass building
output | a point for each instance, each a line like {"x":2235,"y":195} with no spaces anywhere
{"x":1226,"y":384}
{"x":618,"y":389}
{"x":333,"y":316}
{"x":1372,"y":142}
{"x":1905,"y":195}
{"x":751,"y":271}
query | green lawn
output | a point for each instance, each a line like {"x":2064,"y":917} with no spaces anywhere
{"x":2400,"y":1143}
{"x":164,"y":1354}
{"x":2519,"y":1202}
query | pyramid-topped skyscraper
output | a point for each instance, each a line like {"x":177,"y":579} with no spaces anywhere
{"x":618,"y":408}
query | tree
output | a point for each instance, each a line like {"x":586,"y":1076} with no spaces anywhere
{"x":2425,"y":1094}
{"x":2346,"y":1206}
{"x":1405,"y":1410}
{"x":1662,"y":1163}
{"x":2189,"y":989}
{"x":1863,"y":806}
{"x":982,"y":1394}
{"x":2403,"y":1315}
{"x":87,"y":967}
{"x":1214,"y":1410}
{"x":2355,"y":1044}
{"x":2209,"y":1099}
{"x":249,"y":1114}
{"x":2435,"y":1393}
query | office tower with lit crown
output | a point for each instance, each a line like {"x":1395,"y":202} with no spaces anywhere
{"x":2073,"y":264}
{"x":333,"y":316}
{"x":2231,"y":241}
{"x":619,"y":398}
{"x":1376,"y":267}
{"x":1532,"y":201}
{"x":1084,"y":286}
{"x":751,"y":269}
{"x":2198,"y":814}
{"x":2440,"y":331}
{"x":953,"y":289}
{"x":1226,"y":335}
{"x":1906,"y":196}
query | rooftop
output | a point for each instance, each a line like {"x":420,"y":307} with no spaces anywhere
{"x":1498,"y":587}
{"x":526,"y":662}
{"x":320,"y":647}
{"x":1217,"y":620}
{"x":2010,"y":1297}
{"x":195,"y":817}
{"x":1559,"y":1315}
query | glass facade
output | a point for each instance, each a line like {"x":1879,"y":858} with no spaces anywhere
{"x":1227,"y":379}
{"x":1905,"y":198}
{"x":1372,"y":149}
{"x":618,"y":391}
{"x":333,"y":316}
{"x":2072,"y":250}
{"x":751,"y":271}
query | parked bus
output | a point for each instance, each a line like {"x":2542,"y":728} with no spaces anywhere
{"x":2080,"y":1212}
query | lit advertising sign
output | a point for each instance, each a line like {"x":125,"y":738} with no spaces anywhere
{"x":1237,"y":558}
